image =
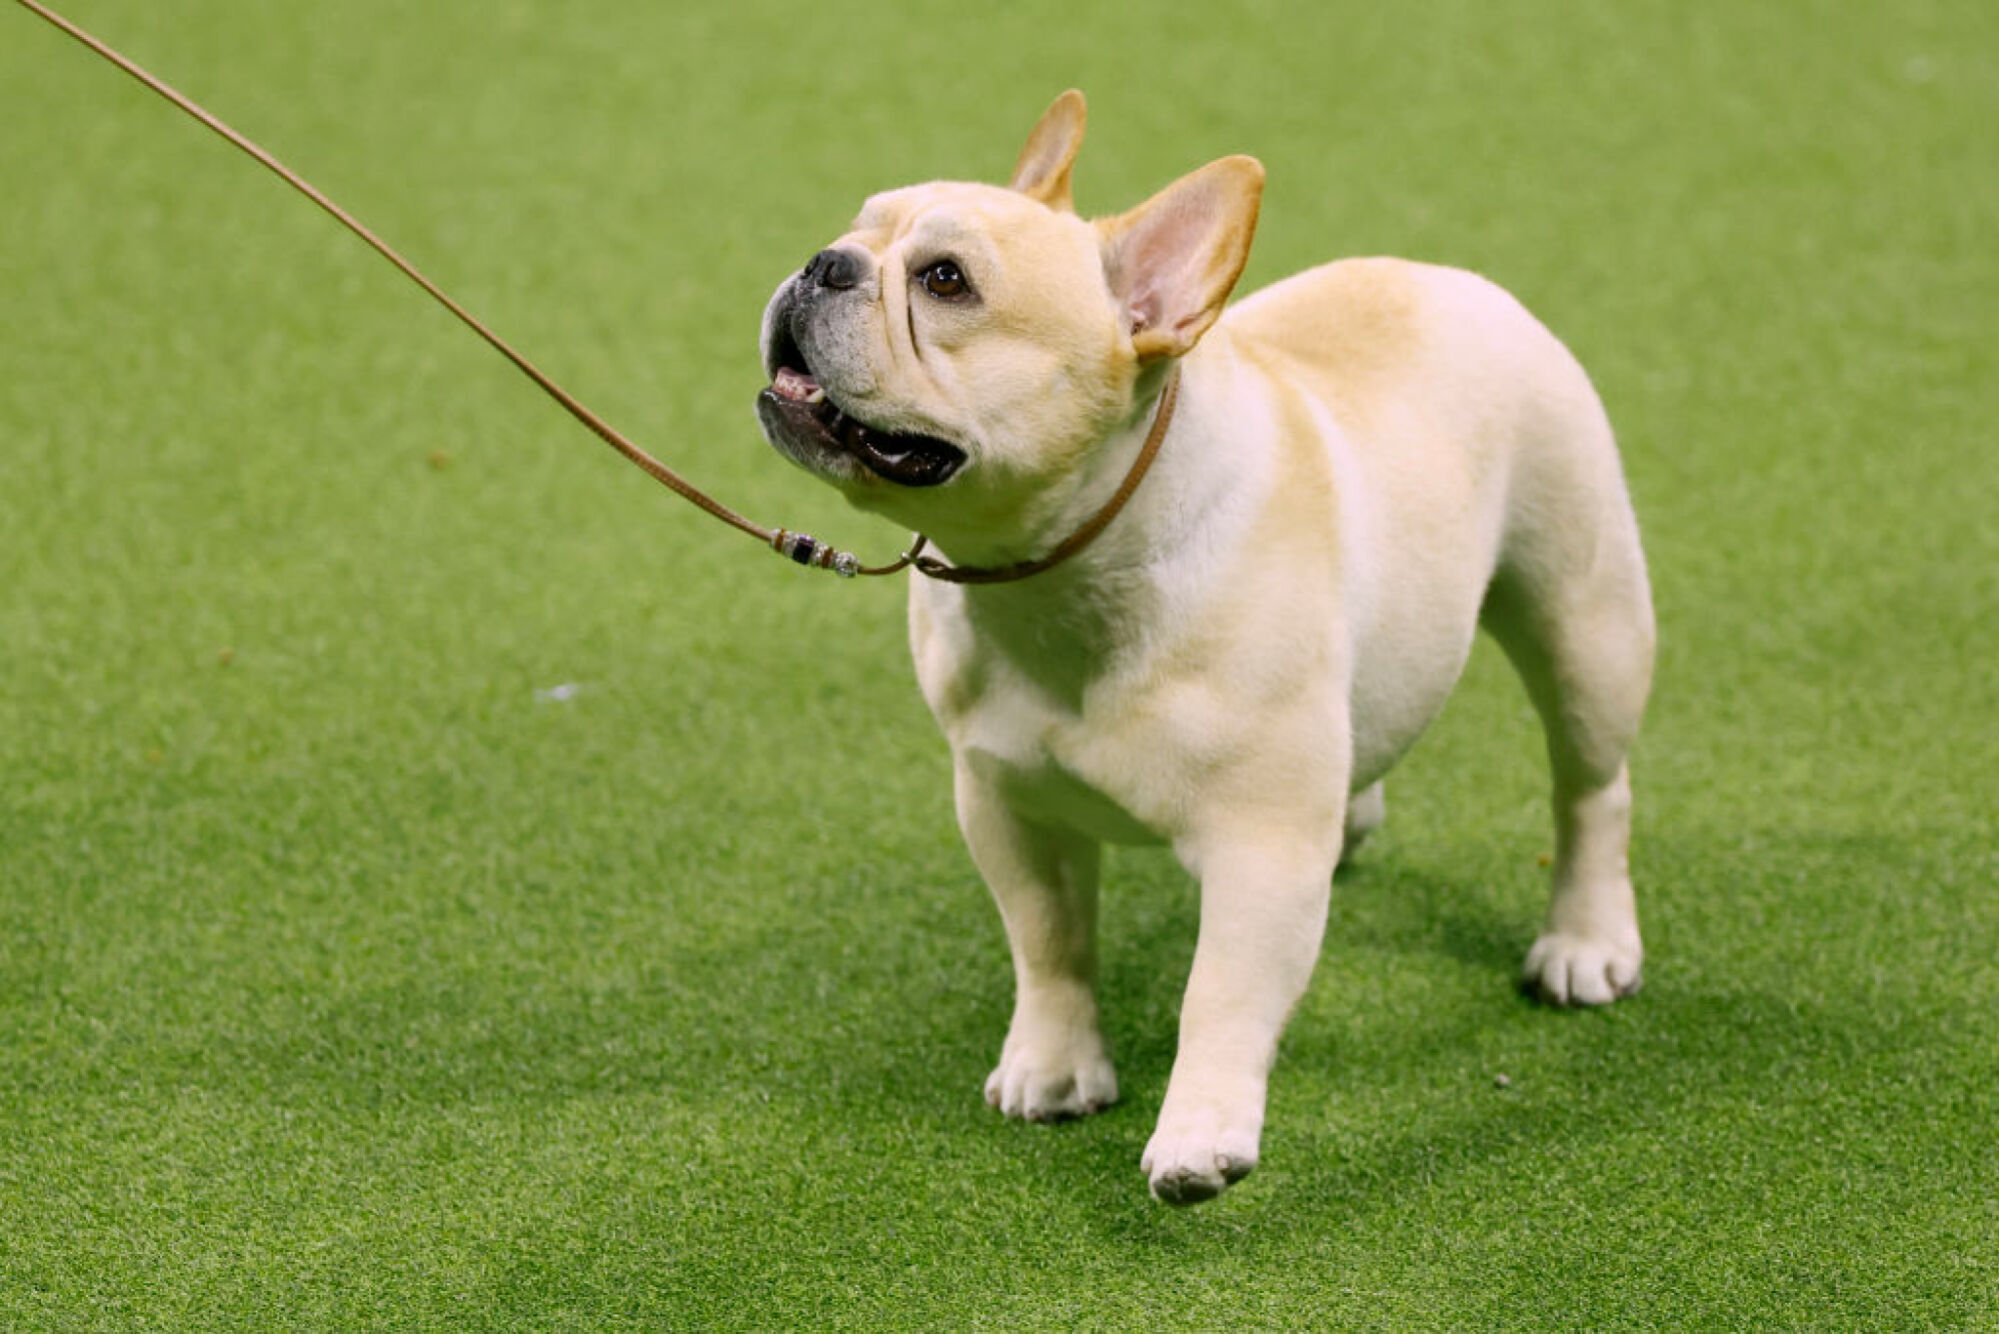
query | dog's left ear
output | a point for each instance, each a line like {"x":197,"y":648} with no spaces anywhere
{"x":1174,"y":259}
{"x":1043,"y":169}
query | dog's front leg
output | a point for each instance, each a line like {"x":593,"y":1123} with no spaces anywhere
{"x":1054,"y":1064}
{"x":1264,"y":894}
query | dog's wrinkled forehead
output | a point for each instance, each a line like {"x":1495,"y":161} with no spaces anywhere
{"x":945,"y":216}
{"x":1010,"y":247}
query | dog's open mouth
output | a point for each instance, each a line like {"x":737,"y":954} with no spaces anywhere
{"x":796,"y":406}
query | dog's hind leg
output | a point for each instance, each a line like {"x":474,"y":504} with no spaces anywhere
{"x":1571,"y":607}
{"x":1366,"y":810}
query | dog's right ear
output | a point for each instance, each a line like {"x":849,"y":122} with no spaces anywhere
{"x":1043,"y":169}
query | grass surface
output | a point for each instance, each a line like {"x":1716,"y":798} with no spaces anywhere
{"x":346,"y":981}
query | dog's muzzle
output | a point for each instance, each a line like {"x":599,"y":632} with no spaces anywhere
{"x":807,"y":425}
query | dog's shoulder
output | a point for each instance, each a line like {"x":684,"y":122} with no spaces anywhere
{"x":1366,"y":334}
{"x":1373,"y":312}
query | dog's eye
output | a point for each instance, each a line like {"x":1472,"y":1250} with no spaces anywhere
{"x":945,"y":281}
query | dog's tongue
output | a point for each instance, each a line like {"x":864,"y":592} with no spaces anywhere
{"x":796,"y":386}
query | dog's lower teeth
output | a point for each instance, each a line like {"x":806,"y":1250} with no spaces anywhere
{"x":816,"y":396}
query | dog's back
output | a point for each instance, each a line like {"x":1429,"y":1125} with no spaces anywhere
{"x":1470,"y":444}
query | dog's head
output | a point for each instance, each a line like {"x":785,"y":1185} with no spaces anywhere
{"x":963,"y":347}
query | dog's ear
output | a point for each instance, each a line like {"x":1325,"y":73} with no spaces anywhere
{"x":1173,"y":260}
{"x":1043,"y":169}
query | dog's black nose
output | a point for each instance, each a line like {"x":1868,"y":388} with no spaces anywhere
{"x":837,"y":269}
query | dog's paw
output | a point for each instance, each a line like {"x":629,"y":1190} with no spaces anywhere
{"x":1196,"y":1156}
{"x":1052,"y":1081}
{"x":1565,"y":969}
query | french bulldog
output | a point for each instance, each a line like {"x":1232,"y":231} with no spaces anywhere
{"x":1366,"y":462}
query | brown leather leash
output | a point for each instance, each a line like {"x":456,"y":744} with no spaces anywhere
{"x":798,"y":547}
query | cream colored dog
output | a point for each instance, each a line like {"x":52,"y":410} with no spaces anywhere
{"x":1367,"y":461}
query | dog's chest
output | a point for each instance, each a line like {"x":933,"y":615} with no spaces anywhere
{"x":1112,"y":754}
{"x":1107,"y":770}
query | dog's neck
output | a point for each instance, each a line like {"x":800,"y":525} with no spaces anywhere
{"x":1075,"y":498}
{"x":1062,"y":624}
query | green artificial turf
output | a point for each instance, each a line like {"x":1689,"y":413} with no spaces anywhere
{"x":348,"y":979}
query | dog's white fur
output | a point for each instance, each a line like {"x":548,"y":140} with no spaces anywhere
{"x":1368,"y":461}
